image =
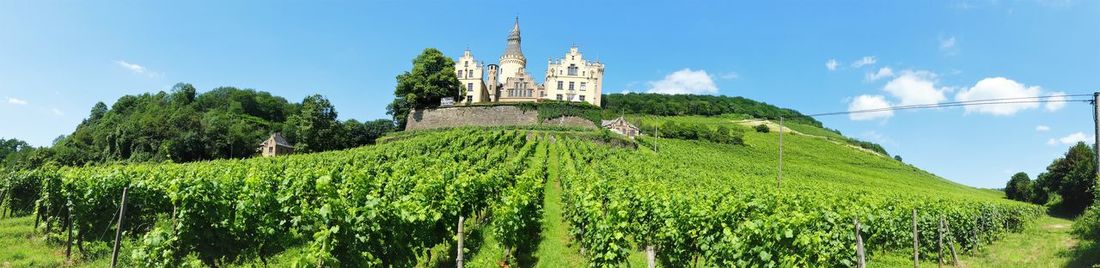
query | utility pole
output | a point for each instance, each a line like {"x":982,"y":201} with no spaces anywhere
{"x":779,"y":180}
{"x":1096,"y":129}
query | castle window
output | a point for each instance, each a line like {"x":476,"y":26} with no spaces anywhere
{"x":560,"y":85}
{"x":570,"y":85}
{"x":470,"y":86}
{"x":573,"y":69}
{"x":582,"y":85}
{"x":582,"y":97}
{"x":467,"y":63}
{"x":559,"y":96}
{"x":459,"y":73}
{"x":469,"y":98}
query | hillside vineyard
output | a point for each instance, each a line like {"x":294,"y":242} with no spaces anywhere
{"x":386,"y":205}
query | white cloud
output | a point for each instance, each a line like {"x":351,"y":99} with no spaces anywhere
{"x":1070,"y":139}
{"x":1056,"y":101}
{"x":17,"y":101}
{"x":915,"y":87}
{"x":869,"y":102}
{"x":947,"y":44}
{"x":831,"y":64}
{"x":882,"y":73}
{"x":867,"y":60}
{"x":137,"y":69}
{"x":57,"y":112}
{"x":1042,"y":128}
{"x":684,"y":81}
{"x":729,"y":75}
{"x":998,"y":88}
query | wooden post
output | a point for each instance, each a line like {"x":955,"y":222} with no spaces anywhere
{"x":916,"y":241}
{"x":69,"y":241}
{"x":861,"y":263}
{"x":954,"y":257}
{"x":939,"y":245}
{"x":650,"y":256}
{"x":118,"y":232}
{"x":779,"y":179}
{"x":460,"y":237}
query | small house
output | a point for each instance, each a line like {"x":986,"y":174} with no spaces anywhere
{"x":621,"y":126}
{"x":276,"y":145}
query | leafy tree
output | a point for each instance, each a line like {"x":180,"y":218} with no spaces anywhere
{"x":762,"y":128}
{"x":1072,"y":177}
{"x":431,"y":79}
{"x":318,"y":129}
{"x":359,"y":134}
{"x":898,"y":158}
{"x":1019,"y":187}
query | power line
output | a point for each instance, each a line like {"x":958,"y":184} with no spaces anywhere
{"x":1017,"y":100}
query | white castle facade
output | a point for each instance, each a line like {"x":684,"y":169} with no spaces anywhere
{"x":570,"y":78}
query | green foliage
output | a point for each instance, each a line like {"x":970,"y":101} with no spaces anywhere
{"x":1072,"y":177}
{"x":316,"y":127}
{"x":695,"y":131}
{"x":898,"y":158}
{"x":432,"y":78}
{"x":183,"y":126}
{"x":762,"y":128}
{"x":707,"y":105}
{"x":718,"y":203}
{"x":347,"y":208}
{"x":1019,"y":188}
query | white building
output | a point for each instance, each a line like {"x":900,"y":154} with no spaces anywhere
{"x":570,"y":78}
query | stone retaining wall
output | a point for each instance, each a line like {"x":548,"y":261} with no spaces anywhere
{"x":488,"y":116}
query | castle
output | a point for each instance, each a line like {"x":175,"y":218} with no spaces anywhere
{"x":570,"y":78}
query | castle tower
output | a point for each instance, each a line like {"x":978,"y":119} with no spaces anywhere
{"x":512,"y":61}
{"x":493,"y":85}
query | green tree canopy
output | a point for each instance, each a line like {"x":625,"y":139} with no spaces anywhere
{"x":432,"y":78}
{"x":1073,"y":177}
{"x":1019,"y":187}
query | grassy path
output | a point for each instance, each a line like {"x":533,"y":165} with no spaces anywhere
{"x":23,"y":248}
{"x":1047,"y":243}
{"x":555,"y":248}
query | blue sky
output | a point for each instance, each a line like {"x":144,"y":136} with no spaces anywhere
{"x":57,"y":58}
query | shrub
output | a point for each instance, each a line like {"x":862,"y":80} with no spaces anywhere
{"x":762,"y":128}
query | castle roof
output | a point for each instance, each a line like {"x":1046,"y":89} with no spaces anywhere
{"x":513,"y":48}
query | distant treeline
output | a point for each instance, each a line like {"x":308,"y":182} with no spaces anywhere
{"x":707,"y":105}
{"x":182,"y":126}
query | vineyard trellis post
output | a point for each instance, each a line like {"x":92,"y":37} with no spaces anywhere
{"x":916,"y":241}
{"x":779,"y":178}
{"x":458,"y":260}
{"x":69,"y":225}
{"x":860,"y":261}
{"x":650,"y":256}
{"x":939,"y":245}
{"x":954,"y":257}
{"x":118,"y":232}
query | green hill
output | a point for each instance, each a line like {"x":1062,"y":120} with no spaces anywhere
{"x":586,"y":203}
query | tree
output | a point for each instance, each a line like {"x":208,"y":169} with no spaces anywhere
{"x":317,"y":128}
{"x":1019,"y":187}
{"x":359,"y":134}
{"x":431,"y":79}
{"x":1072,"y":177}
{"x":762,"y":128}
{"x":898,"y":158}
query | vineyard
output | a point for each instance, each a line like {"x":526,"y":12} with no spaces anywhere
{"x":400,"y":204}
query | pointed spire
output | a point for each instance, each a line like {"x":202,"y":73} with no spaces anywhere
{"x":513,"y":48}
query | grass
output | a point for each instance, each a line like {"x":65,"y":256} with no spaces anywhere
{"x":24,"y":248}
{"x":556,"y":248}
{"x":1047,"y":243}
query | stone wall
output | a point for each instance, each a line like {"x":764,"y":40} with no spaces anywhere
{"x":487,"y":116}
